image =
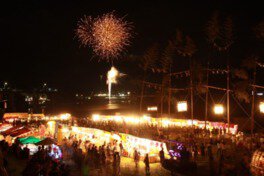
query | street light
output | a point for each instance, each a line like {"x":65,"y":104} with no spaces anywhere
{"x":96,"y":117}
{"x":261,"y":107}
{"x":152,"y":108}
{"x":218,"y":109}
{"x":182,"y":106}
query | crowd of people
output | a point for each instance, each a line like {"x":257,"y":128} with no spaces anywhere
{"x":40,"y":163}
{"x":87,"y":155}
{"x":224,"y":153}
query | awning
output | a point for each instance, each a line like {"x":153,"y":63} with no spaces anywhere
{"x":29,"y":140}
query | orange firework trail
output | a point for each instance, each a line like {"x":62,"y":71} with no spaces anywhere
{"x":107,"y":35}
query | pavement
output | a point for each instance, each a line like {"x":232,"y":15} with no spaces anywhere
{"x":127,"y":168}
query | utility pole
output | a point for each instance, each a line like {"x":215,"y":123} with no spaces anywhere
{"x":191,"y":89}
{"x":206,"y":96}
{"x":227,"y":95}
{"x":141,"y":96}
{"x":161,"y":98}
{"x":253,"y":99}
{"x":169,"y":92}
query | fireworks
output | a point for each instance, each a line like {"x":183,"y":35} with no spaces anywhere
{"x":107,"y":35}
{"x":84,"y":30}
{"x":111,"y":79}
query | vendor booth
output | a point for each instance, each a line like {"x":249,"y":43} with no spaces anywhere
{"x":130,"y":143}
{"x":143,"y":146}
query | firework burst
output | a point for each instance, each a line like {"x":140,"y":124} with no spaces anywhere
{"x":84,"y":30}
{"x":107,"y":35}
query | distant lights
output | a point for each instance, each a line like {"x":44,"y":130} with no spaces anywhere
{"x":96,"y":117}
{"x":261,"y":107}
{"x":182,"y":106}
{"x":152,"y":108}
{"x":260,"y":94}
{"x":65,"y":116}
{"x":218,"y":109}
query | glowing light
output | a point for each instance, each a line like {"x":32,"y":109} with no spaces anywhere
{"x":107,"y":35}
{"x":65,"y":116}
{"x":111,"y":79}
{"x":51,"y":123}
{"x":261,"y":107}
{"x":96,"y":117}
{"x":182,"y":106}
{"x":161,"y":122}
{"x":65,"y":130}
{"x":218,"y":109}
{"x":117,"y":118}
{"x":147,"y":118}
{"x":166,"y":122}
{"x":51,"y":127}
{"x":152,"y":108}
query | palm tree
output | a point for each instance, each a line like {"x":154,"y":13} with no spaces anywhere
{"x":259,"y":30}
{"x":220,"y":36}
{"x":166,"y":64}
{"x":186,"y":47}
{"x":147,"y":62}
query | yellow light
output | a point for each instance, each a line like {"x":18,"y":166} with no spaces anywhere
{"x":112,"y":74}
{"x":152,"y":108}
{"x":95,"y":117}
{"x":218,"y":109}
{"x":261,"y":107}
{"x":147,"y":118}
{"x":182,"y":106}
{"x":51,"y":123}
{"x":166,"y":122}
{"x":117,"y":118}
{"x":65,"y":116}
{"x":65,"y":130}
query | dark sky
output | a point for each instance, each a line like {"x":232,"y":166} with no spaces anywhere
{"x":37,"y":36}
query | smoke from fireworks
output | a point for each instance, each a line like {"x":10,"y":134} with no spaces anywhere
{"x":107,"y":35}
{"x":112,"y":74}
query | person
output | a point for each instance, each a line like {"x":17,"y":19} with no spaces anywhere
{"x":146,"y":161}
{"x":202,"y":149}
{"x":136,"y":157}
{"x":161,"y":155}
{"x":121,"y":148}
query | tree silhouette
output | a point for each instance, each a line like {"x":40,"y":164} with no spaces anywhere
{"x":147,"y":62}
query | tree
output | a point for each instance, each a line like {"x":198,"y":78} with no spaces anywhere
{"x":220,"y":35}
{"x":147,"y":62}
{"x":166,"y":64}
{"x":259,"y":30}
{"x":186,"y":47}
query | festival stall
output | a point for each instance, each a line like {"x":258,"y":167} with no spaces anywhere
{"x":21,"y":132}
{"x":21,"y":116}
{"x":143,"y":146}
{"x":10,"y":130}
{"x":163,"y":122}
{"x":257,"y":163}
{"x":95,"y":136}
{"x":4,"y":127}
{"x":14,"y":132}
{"x":129,"y":142}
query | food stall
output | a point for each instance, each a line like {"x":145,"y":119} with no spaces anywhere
{"x":143,"y":146}
{"x":129,"y":142}
{"x":257,"y":163}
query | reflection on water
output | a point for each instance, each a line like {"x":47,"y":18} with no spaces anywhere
{"x":112,"y":106}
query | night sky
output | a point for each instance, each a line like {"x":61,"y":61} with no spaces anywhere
{"x":37,"y":41}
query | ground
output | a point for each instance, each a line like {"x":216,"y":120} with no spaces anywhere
{"x":127,"y":168}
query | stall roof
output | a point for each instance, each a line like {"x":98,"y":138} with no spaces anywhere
{"x":19,"y":132}
{"x":29,"y":140}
